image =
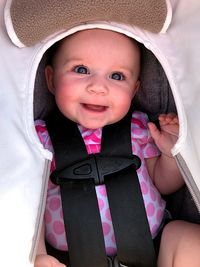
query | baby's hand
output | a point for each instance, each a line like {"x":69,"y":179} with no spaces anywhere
{"x":166,"y":137}
{"x":45,"y":260}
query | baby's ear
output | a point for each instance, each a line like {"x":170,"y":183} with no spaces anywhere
{"x":49,"y":78}
{"x":137,"y":85}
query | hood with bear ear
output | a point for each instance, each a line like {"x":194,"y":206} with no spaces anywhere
{"x":30,"y":22}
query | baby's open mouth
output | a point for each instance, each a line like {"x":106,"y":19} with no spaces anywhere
{"x":97,"y":108}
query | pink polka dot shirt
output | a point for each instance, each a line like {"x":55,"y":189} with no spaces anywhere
{"x":142,"y":146}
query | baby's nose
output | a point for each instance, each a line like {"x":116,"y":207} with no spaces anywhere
{"x":98,"y":86}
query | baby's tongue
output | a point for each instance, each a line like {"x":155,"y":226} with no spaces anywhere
{"x":95,"y":107}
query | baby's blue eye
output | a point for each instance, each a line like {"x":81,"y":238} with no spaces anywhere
{"x":117,"y":76}
{"x":81,"y":70}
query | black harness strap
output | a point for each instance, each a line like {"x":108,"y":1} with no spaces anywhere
{"x":78,"y":173}
{"x":132,"y":233}
{"x":80,"y":209}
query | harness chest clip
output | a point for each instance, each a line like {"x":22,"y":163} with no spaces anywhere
{"x":96,"y":167}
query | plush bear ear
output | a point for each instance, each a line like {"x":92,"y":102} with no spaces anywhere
{"x":29,"y":22}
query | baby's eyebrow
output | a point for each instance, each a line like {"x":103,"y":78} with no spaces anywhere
{"x":72,"y":61}
{"x":125,"y":70}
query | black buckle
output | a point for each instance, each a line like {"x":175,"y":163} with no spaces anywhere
{"x":95,"y":166}
{"x":116,"y":263}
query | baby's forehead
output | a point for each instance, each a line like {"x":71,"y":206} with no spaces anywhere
{"x":97,"y":33}
{"x":98,"y":37}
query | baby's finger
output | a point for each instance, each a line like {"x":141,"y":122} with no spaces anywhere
{"x":175,"y":120}
{"x":163,"y":119}
{"x":155,"y":133}
{"x":170,"y":118}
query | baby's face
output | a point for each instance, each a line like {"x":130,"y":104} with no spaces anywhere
{"x":95,"y":76}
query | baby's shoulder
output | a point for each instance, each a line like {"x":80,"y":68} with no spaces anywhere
{"x":139,"y":128}
{"x":43,"y":134}
{"x":139,"y":120}
{"x":41,"y":129}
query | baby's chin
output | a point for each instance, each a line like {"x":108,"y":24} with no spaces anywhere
{"x":92,"y":124}
{"x":96,"y":124}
